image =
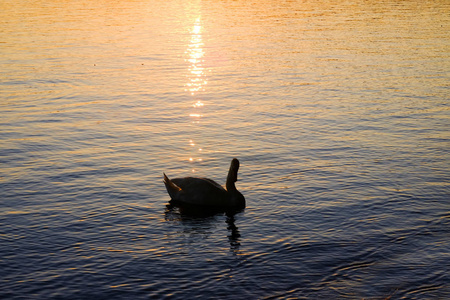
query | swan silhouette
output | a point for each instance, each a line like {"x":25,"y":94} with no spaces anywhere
{"x":206,"y":192}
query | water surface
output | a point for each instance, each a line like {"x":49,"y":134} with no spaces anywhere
{"x":338,"y":112}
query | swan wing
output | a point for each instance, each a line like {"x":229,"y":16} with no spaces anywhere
{"x":201,"y":191}
{"x":174,"y":190}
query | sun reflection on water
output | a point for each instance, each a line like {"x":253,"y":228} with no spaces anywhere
{"x":196,"y":82}
{"x":195,"y":53}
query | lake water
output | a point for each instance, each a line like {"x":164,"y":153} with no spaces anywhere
{"x":338,"y":112}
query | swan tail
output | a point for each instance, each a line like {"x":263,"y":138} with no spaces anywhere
{"x":173,"y":189}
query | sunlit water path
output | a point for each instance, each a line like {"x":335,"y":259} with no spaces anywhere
{"x":338,"y":112}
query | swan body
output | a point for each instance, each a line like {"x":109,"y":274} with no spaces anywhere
{"x":206,"y":192}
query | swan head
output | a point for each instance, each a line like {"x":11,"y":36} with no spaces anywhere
{"x":235,"y":164}
{"x":232,"y":173}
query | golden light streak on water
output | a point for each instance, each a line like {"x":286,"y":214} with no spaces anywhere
{"x":196,"y":79}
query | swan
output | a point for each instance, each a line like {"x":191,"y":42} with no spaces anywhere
{"x":206,"y":192}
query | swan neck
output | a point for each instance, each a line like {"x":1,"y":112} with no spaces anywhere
{"x":231,"y":179}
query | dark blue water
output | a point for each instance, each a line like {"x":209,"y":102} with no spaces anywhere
{"x":338,"y":113}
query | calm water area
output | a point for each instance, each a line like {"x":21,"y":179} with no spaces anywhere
{"x":337,"y":110}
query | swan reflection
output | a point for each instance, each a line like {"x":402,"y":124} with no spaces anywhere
{"x":198,"y":222}
{"x":234,"y":237}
